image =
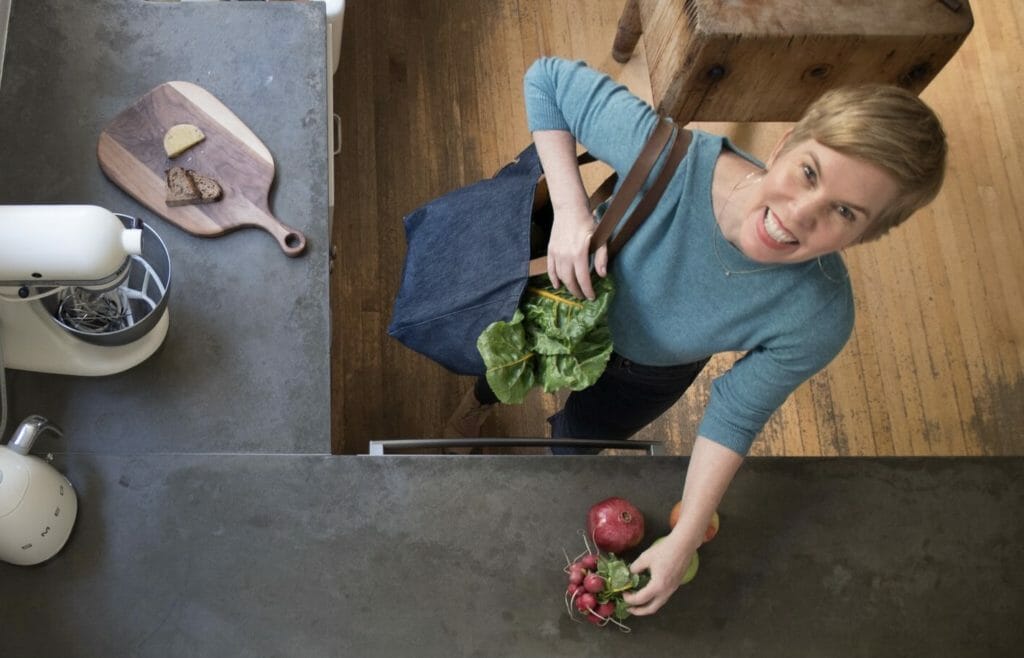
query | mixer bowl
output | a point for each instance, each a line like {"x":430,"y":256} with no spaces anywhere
{"x":145,"y":289}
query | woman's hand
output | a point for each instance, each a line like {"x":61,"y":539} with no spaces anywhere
{"x":569,"y":251}
{"x":569,"y":246}
{"x":712,"y":467}
{"x":666,"y":561}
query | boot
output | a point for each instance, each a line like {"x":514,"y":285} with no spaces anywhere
{"x":468,"y":417}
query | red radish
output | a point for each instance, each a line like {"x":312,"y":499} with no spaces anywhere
{"x":576,"y":576}
{"x":586,"y":601}
{"x":606,"y":609}
{"x":573,"y":588}
{"x":595,"y":620}
{"x":589,"y":561}
{"x":615,"y":524}
{"x":593,"y":583}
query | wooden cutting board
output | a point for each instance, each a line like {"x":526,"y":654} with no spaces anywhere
{"x":131,"y":154}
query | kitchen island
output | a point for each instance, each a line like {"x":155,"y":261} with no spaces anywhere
{"x":309,"y":556}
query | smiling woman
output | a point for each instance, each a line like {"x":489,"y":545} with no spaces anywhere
{"x":811,"y":201}
{"x":737,"y":256}
{"x":889,"y":128}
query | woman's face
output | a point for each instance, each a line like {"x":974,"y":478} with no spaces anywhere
{"x":812,"y":201}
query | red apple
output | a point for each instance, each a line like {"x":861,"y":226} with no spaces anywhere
{"x":709,"y":534}
{"x":712,"y":530}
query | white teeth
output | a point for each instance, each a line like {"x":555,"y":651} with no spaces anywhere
{"x":775,"y":230}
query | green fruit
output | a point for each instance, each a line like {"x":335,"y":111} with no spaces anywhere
{"x":691,"y":571}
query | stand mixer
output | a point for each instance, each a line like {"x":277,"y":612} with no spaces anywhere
{"x":83,"y":291}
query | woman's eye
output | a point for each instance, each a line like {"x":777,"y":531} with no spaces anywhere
{"x":809,"y":174}
{"x":845,"y":213}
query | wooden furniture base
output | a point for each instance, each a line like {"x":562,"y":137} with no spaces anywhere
{"x":767,"y":60}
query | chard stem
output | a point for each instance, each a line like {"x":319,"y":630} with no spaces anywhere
{"x":526,"y":357}
{"x":553,"y":297}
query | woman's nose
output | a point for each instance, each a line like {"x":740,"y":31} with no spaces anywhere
{"x":805,"y":210}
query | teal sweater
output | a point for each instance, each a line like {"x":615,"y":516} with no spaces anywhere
{"x":674,"y":302}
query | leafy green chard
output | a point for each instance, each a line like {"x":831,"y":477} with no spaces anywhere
{"x":553,"y":340}
{"x":618,"y":580}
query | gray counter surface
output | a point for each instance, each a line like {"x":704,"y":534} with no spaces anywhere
{"x":245,"y":367}
{"x":309,"y":556}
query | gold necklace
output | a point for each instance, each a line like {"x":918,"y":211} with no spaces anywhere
{"x":716,"y":232}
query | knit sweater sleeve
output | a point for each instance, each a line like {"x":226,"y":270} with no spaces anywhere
{"x":603,"y":115}
{"x":744,"y":398}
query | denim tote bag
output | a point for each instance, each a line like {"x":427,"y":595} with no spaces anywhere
{"x":468,"y":255}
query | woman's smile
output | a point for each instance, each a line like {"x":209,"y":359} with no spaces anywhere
{"x":774,"y":234}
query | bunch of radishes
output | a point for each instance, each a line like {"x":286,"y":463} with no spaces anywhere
{"x":596,"y":585}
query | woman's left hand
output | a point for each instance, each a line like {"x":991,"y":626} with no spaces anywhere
{"x":667,"y":561}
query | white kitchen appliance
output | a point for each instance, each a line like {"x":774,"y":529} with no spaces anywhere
{"x":38,"y":505}
{"x":83,"y":291}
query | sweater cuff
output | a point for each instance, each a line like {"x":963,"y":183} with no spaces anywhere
{"x":734,"y":438}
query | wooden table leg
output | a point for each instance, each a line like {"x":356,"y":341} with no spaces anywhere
{"x":628,"y":32}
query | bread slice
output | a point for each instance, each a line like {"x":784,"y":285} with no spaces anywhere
{"x":185,"y":186}
{"x":181,"y":189}
{"x":180,"y":138}
{"x":209,"y":189}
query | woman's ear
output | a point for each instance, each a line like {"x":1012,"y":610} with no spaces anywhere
{"x":779,"y":146}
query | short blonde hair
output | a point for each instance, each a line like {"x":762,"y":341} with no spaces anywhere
{"x":888,"y":127}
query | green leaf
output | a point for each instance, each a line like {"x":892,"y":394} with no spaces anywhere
{"x":578,"y":370}
{"x":554,"y":340}
{"x":561,"y":319}
{"x":510,"y":368}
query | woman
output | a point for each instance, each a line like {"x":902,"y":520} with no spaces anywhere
{"x":737,"y":256}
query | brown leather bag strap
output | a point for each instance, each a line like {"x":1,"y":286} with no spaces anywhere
{"x":631,"y":187}
{"x":646,"y":205}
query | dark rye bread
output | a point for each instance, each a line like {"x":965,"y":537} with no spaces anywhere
{"x":209,"y":189}
{"x":185,"y":186}
{"x":181,"y":189}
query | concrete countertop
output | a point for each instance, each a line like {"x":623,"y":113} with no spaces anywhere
{"x":310,"y":556}
{"x":245,"y":367}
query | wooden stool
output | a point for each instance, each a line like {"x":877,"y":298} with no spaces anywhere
{"x":767,"y":60}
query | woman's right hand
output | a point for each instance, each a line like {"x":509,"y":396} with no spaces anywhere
{"x":573,"y":227}
{"x":569,"y":251}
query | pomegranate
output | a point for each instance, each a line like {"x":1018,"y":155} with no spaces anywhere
{"x":615,"y":524}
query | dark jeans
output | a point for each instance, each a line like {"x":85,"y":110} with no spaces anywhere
{"x":627,"y":397}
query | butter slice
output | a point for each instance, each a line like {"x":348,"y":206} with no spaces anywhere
{"x":180,"y":138}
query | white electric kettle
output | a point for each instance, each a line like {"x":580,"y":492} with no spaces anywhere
{"x":38,"y":505}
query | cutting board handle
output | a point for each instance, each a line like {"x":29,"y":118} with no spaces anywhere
{"x":291,"y":241}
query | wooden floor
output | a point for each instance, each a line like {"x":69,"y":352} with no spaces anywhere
{"x":429,"y":92}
